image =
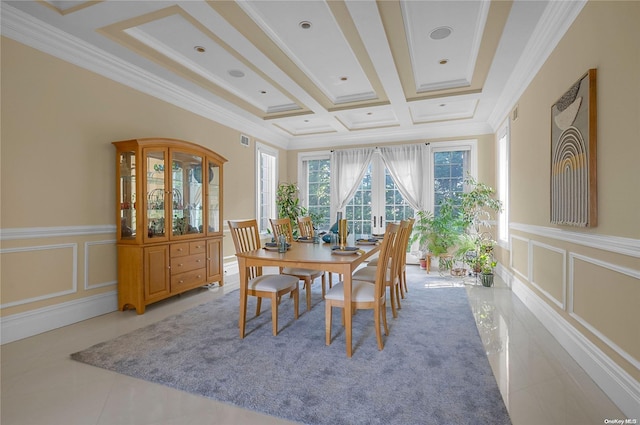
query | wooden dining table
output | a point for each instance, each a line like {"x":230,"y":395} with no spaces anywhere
{"x":309,"y":256}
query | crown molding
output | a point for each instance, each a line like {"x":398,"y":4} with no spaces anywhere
{"x":558,"y":16}
{"x":41,"y":36}
{"x":426,"y":131}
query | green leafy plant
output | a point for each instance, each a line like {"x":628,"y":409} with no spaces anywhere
{"x":421,"y":231}
{"x":486,"y":263}
{"x":437,"y":234}
{"x":477,"y":204}
{"x":288,"y":204}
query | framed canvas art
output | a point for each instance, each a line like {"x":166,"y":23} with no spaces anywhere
{"x":573,"y":155}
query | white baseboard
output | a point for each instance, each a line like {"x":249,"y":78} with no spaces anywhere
{"x":621,"y":387}
{"x":23,"y":325}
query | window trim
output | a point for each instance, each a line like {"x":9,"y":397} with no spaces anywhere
{"x":261,"y":148}
{"x":302,"y":176}
{"x":470,"y":145}
{"x":503,"y":193}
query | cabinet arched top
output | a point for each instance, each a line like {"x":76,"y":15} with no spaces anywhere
{"x":152,"y":142}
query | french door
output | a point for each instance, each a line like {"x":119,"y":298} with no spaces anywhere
{"x":376,"y":202}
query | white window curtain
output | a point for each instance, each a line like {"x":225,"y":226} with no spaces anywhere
{"x":348,"y":167}
{"x":409,"y":168}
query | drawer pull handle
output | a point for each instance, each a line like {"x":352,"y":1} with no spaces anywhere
{"x":180,"y":265}
{"x":182,"y":281}
{"x":197,"y":261}
{"x":199,"y":276}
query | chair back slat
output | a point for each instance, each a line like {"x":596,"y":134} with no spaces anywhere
{"x":305,"y":224}
{"x":389,"y":242}
{"x":282,"y":226}
{"x":246,"y":237}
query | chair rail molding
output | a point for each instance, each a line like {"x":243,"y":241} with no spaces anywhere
{"x":52,"y":232}
{"x":615,"y":244}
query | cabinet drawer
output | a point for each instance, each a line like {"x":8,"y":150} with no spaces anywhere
{"x":179,"y":249}
{"x":185,"y":264}
{"x":199,"y":247}
{"x":188,"y":280}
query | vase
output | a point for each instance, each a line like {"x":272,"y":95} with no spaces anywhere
{"x":486,"y":279}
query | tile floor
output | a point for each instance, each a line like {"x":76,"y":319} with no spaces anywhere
{"x":41,"y":385}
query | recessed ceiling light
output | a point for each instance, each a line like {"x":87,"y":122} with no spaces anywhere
{"x":199,"y":49}
{"x":443,"y":61}
{"x":440,"y":33}
{"x":236,"y":73}
{"x":305,"y":25}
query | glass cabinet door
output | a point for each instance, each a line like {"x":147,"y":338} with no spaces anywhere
{"x":155,"y":165}
{"x":127,"y":195}
{"x":187,"y":199}
{"x":213,"y":192}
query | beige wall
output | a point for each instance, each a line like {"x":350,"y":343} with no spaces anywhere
{"x":58,"y":171}
{"x":595,"y":288}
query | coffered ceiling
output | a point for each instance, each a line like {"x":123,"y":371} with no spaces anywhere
{"x":312,"y":73}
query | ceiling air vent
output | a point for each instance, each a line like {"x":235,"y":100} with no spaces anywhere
{"x":244,"y":140}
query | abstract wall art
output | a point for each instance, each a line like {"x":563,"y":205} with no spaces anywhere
{"x":573,"y":155}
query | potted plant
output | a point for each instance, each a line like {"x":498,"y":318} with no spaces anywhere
{"x":288,"y":204}
{"x":477,"y":204}
{"x":420,"y":235}
{"x":437,"y":234}
{"x":476,"y":208}
{"x":487,"y":263}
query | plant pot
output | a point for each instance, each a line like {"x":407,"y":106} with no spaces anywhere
{"x":486,"y":279}
{"x":458,"y":271}
{"x":423,"y":263}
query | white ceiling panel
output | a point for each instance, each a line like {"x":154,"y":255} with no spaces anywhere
{"x":368,"y":118}
{"x":443,"y":39}
{"x":442,"y":109}
{"x":308,"y":33}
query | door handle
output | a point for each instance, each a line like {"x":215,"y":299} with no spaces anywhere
{"x":374,"y":221}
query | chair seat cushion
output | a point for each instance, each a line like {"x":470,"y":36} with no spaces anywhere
{"x":369,"y":274}
{"x":295,"y":271}
{"x":273,"y":282}
{"x":361,"y":291}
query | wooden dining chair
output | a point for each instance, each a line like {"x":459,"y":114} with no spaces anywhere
{"x":394,"y":269}
{"x":403,"y":265}
{"x":305,"y":224}
{"x":282,"y":226}
{"x":364,"y":295}
{"x":246,"y":237}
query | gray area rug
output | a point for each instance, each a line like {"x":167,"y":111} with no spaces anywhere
{"x":433,"y":369}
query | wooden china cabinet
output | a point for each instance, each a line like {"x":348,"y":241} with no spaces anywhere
{"x":169,"y":215}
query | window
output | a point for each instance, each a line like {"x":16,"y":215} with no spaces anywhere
{"x":451,"y":164}
{"x":315,"y":185}
{"x":503,"y":182}
{"x":267,"y":178}
{"x":378,"y":197}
